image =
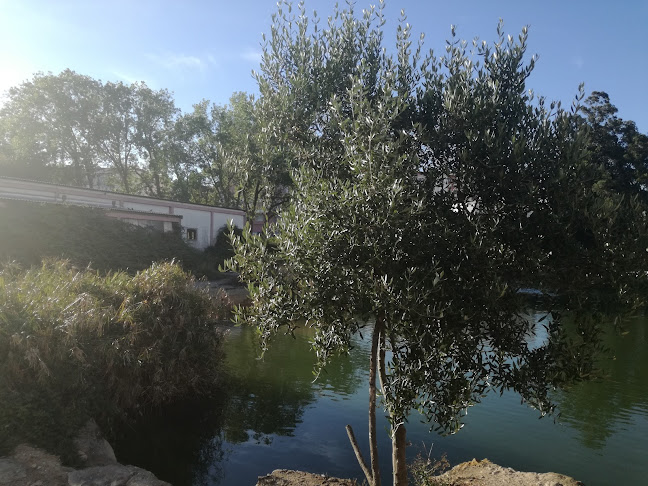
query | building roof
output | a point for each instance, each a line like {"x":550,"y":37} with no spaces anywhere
{"x":107,"y":193}
{"x":112,"y":210}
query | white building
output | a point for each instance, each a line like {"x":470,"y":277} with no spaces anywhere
{"x":199,"y":223}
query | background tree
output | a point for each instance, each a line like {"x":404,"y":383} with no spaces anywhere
{"x":261,"y":179}
{"x":430,"y":191}
{"x":617,"y":146}
{"x":117,"y":135}
{"x":218,"y":179}
{"x":48,"y":125}
{"x":226,"y":161}
{"x":155,"y":113}
{"x":72,"y":129}
{"x":64,"y":128}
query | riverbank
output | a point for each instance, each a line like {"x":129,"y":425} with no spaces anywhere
{"x":227,"y":290}
{"x":30,"y":466}
{"x":485,"y":473}
{"x":472,"y":473}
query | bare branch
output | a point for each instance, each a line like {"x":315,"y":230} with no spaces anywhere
{"x":356,"y":449}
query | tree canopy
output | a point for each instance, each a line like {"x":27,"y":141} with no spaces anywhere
{"x":617,"y":146}
{"x":225,"y":157}
{"x":65,"y":128}
{"x":72,"y":129}
{"x":431,"y":191}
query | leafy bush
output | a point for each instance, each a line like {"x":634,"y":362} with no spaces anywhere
{"x":222,"y":249}
{"x":84,"y":235}
{"x":75,"y":344}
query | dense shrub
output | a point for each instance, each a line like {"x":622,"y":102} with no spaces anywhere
{"x":222,"y":249}
{"x":75,"y":344}
{"x":85,"y":236}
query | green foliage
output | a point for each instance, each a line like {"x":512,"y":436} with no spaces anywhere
{"x":431,"y":190}
{"x":617,"y":146}
{"x":85,"y":236}
{"x":75,"y":344}
{"x":65,"y":128}
{"x":226,"y":159}
{"x":46,"y":128}
{"x":222,"y":249}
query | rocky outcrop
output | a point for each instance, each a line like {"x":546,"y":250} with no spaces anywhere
{"x":115,"y":475}
{"x":485,"y":473}
{"x":472,"y":473}
{"x":29,"y":466}
{"x":285,"y":477}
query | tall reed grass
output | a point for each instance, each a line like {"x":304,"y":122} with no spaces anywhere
{"x":76,"y":344}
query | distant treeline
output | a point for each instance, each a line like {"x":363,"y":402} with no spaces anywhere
{"x":73,"y":129}
{"x":76,"y":130}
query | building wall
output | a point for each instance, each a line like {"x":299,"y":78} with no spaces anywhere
{"x":205,"y":221}
{"x":200,"y":221}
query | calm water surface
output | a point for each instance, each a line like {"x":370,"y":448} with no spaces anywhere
{"x":273,"y":415}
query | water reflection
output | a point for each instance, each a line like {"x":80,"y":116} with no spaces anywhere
{"x":268,"y":395}
{"x":600,"y":408}
{"x":181,"y":444}
{"x":272,"y":415}
{"x":263,"y":401}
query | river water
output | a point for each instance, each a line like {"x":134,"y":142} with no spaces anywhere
{"x":273,"y":415}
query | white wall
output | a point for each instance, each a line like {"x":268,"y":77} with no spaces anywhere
{"x":198,"y":220}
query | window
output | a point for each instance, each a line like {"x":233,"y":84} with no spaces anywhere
{"x":192,"y":234}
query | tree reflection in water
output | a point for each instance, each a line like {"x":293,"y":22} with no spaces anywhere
{"x":268,"y":395}
{"x":188,"y":444}
{"x":181,"y":443}
{"x":600,"y":408}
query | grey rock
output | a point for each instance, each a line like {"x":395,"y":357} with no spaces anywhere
{"x":29,"y":466}
{"x":92,"y":448}
{"x":142,"y":477}
{"x":42,"y":469}
{"x":11,"y":471}
{"x":113,"y":475}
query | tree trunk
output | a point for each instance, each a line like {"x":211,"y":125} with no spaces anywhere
{"x":158,"y":186}
{"x":373,"y":365}
{"x":372,"y":472}
{"x":399,"y":435}
{"x":399,"y":462}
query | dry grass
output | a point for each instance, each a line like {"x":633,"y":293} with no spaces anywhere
{"x":425,"y":470}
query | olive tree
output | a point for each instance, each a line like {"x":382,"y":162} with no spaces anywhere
{"x":430,"y":191}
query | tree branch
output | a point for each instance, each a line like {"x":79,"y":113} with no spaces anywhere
{"x":382,"y":374}
{"x":356,"y":449}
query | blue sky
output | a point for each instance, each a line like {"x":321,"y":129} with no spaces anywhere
{"x":207,"y":49}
